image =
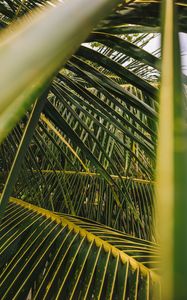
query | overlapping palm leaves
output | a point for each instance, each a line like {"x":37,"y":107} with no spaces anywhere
{"x":92,"y":153}
{"x":115,"y":127}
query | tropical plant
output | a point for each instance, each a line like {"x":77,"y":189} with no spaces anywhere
{"x":78,"y":137}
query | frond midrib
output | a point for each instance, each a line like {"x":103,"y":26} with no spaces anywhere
{"x":91,"y":237}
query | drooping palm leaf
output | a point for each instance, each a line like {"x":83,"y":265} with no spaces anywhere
{"x":33,"y":83}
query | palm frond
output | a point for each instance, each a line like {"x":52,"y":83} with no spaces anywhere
{"x":70,"y":258}
{"x":172,"y":161}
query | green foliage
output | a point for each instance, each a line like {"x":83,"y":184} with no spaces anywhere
{"x":88,"y":160}
{"x":59,"y":256}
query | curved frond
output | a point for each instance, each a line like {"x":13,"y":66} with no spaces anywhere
{"x":58,"y":256}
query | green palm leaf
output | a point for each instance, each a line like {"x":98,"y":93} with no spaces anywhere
{"x":59,"y":256}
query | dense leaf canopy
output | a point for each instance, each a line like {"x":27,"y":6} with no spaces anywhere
{"x":80,"y":153}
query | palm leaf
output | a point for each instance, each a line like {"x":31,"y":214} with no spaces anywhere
{"x":33,"y":83}
{"x":172,"y":161}
{"x":59,"y":256}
